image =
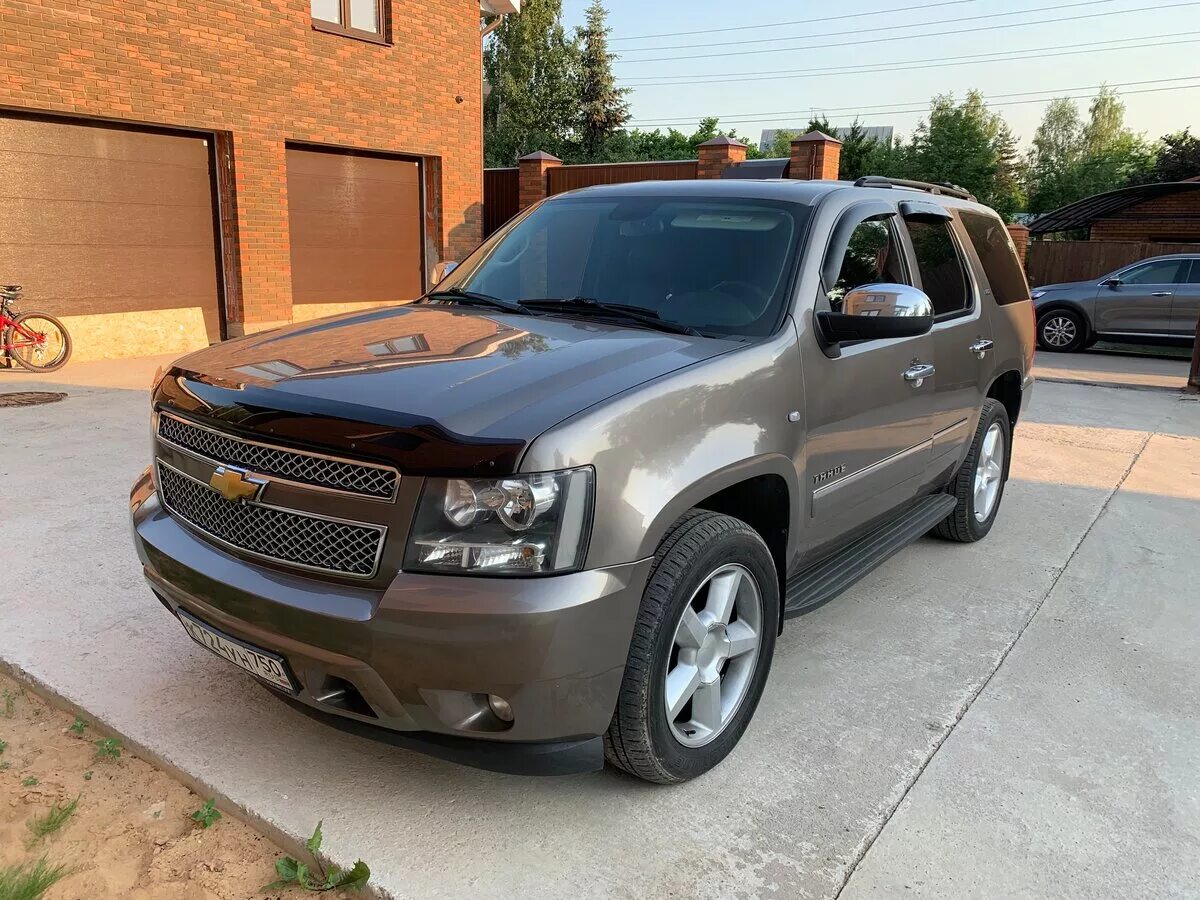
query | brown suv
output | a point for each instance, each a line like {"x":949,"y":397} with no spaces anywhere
{"x":558,"y":509}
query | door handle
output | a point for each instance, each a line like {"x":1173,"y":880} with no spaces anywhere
{"x":918,"y":372}
{"x":981,"y":346}
{"x":1162,"y":294}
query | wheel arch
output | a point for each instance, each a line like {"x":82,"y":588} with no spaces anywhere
{"x":1070,"y":306}
{"x":1006,"y":388}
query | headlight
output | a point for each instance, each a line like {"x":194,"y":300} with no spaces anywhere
{"x":516,"y":525}
{"x":1037,"y":294}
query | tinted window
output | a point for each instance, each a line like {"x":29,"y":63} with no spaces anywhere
{"x":1166,"y":271}
{"x":873,"y":256}
{"x":996,"y":253}
{"x":720,"y":266}
{"x":940,"y":265}
{"x":1194,"y":277}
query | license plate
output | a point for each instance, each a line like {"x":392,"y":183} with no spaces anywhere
{"x":269,"y":667}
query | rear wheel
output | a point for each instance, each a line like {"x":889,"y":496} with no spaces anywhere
{"x":979,"y":484}
{"x":1061,"y":330}
{"x":701,"y":651}
{"x":39,"y":342}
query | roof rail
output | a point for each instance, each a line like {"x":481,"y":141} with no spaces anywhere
{"x":938,"y":187}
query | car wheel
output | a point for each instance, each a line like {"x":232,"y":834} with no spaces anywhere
{"x":700,"y":653}
{"x":979,"y":485}
{"x":1061,"y":330}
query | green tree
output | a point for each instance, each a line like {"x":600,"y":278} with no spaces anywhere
{"x":604,"y":108}
{"x":1178,"y":158}
{"x":781,"y":144}
{"x":968,"y":145}
{"x":1072,"y":159}
{"x":858,"y":152}
{"x":640,"y":146}
{"x":532,"y":70}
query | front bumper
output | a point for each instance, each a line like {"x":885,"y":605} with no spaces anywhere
{"x":416,"y":661}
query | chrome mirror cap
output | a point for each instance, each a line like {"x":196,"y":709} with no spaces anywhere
{"x":887,"y":301}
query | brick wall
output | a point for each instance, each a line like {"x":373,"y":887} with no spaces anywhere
{"x":257,"y":70}
{"x":1172,"y":218}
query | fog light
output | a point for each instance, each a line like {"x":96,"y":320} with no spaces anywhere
{"x":500,"y":708}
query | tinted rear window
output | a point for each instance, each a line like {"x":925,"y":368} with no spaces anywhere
{"x":994,"y":247}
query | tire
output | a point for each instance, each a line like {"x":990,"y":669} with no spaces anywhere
{"x":1061,"y":331}
{"x":38,"y":322}
{"x":966,"y":524}
{"x":643,"y":739}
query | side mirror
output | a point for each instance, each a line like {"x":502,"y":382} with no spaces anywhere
{"x":1110,"y":282}
{"x":442,"y":269}
{"x":876,"y":312}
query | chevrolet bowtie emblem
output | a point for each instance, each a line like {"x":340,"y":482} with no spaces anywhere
{"x":235,"y":484}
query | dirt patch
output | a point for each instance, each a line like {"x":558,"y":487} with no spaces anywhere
{"x":131,"y":834}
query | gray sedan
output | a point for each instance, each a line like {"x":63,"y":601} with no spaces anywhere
{"x":1154,"y":298}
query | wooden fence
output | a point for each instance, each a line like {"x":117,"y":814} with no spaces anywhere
{"x":501,"y":197}
{"x":1052,"y":262}
{"x":568,"y":178}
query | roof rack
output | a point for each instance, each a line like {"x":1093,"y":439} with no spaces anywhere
{"x":939,"y":187}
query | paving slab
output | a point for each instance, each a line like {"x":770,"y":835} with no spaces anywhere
{"x":1114,"y":369}
{"x":1077,"y":771}
{"x":863,"y":692}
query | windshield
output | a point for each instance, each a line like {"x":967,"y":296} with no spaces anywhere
{"x":719,"y":266}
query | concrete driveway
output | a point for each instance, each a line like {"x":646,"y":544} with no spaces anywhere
{"x":1017,"y":717}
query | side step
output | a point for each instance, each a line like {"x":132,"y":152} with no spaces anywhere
{"x":824,"y":580}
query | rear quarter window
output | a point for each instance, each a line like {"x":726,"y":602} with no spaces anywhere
{"x":996,"y":253}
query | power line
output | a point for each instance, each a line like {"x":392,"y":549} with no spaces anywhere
{"x":1019,"y":12}
{"x":883,"y":107}
{"x":882,"y":40}
{"x":903,"y":65}
{"x":925,"y":107}
{"x":878,"y":12}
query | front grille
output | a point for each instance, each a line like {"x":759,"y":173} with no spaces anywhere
{"x":294,"y":465}
{"x":302,"y":540}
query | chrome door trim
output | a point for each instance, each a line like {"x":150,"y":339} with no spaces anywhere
{"x":873,"y":468}
{"x":1153,"y":334}
{"x":950,"y":429}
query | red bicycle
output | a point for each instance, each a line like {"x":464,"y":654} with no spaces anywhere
{"x":36,"y":340}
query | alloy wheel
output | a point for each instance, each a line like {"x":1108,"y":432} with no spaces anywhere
{"x":714,"y":655}
{"x":1059,"y":331}
{"x":989,"y":472}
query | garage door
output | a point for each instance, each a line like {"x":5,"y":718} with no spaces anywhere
{"x":114,"y":226}
{"x":355,"y":224}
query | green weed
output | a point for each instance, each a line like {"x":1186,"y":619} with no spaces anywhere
{"x":10,"y":700}
{"x":207,"y":815}
{"x":52,"y":821}
{"x":108,"y":748}
{"x":293,"y":872}
{"x":87,"y":776}
{"x":29,"y":881}
{"x":78,"y":725}
{"x":3,"y":745}
{"x":29,"y":782}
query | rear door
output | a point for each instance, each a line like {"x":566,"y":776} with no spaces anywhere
{"x":1185,"y":305}
{"x":961,"y":332}
{"x":868,"y":428}
{"x":1141,"y":302}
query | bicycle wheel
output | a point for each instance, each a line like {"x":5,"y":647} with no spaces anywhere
{"x":49,"y":348}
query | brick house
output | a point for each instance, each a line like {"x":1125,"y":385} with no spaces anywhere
{"x":1166,"y":213}
{"x":173,"y":172}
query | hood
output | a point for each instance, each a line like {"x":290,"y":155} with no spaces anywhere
{"x":439,"y":389}
{"x":1085,"y":286}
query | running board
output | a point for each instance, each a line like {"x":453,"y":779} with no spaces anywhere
{"x":823,"y":581}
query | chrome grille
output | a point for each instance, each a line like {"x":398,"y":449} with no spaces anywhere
{"x":311,"y":542}
{"x":293,"y":465}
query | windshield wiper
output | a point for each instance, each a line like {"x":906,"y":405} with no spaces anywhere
{"x":473,"y":298}
{"x":592,"y":307}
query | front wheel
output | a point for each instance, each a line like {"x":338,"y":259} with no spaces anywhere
{"x":700,"y":653}
{"x":1061,"y":330}
{"x":38,"y":342}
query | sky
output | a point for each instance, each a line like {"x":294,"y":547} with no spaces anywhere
{"x":1020,"y":54}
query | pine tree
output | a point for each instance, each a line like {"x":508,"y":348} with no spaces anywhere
{"x":604,"y":109}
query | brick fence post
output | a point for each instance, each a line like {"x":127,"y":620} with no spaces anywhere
{"x":1020,"y":238}
{"x":815,"y":157}
{"x":532,"y":177}
{"x":717,"y":154}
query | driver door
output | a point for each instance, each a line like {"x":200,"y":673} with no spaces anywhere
{"x":870,"y":422}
